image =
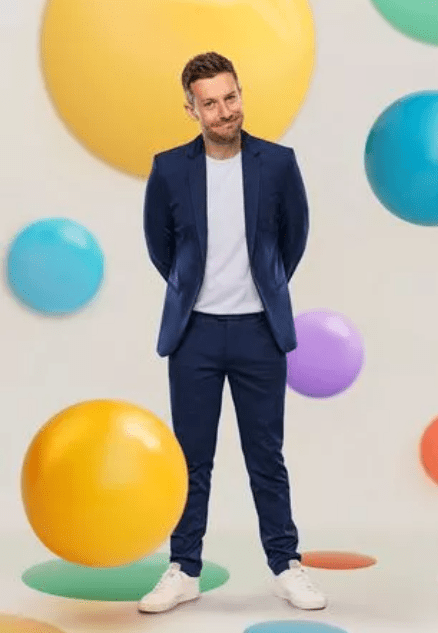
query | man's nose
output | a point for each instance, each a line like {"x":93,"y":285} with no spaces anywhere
{"x":224,"y":110}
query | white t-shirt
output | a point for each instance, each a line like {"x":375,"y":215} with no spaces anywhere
{"x":228,"y":286}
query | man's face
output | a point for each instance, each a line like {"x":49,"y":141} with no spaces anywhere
{"x":217,"y":103}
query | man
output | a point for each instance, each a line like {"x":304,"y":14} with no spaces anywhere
{"x":226,"y":224}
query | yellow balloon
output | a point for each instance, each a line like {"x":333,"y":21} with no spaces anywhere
{"x":104,"y":483}
{"x":113,"y":69}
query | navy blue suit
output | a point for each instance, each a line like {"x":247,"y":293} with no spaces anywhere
{"x":248,"y":348}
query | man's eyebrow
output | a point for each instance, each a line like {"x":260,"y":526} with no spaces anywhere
{"x":228,"y":95}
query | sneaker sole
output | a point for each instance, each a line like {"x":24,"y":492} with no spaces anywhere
{"x":157,"y":609}
{"x":301,"y":605}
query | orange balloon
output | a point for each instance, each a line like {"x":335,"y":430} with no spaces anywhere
{"x":104,"y":483}
{"x":337,"y":560}
{"x":429,"y":450}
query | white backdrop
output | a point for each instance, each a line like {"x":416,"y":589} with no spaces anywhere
{"x":353,"y":459}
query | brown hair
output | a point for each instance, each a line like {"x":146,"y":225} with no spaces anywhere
{"x":203,"y":66}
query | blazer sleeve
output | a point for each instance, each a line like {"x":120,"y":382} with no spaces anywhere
{"x":294,"y":218}
{"x":158,"y":223}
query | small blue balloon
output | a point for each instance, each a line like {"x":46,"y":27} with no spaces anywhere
{"x":401,"y":158}
{"x":54,"y":266}
{"x":293,"y":626}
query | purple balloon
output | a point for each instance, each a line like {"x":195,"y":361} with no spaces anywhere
{"x":328,"y":357}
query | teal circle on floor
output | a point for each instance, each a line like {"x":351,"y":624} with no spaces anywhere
{"x":125,"y":583}
{"x":293,"y":626}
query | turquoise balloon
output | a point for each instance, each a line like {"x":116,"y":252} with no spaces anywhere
{"x":54,"y":266}
{"x":417,"y":19}
{"x":401,"y":158}
{"x":293,"y":626}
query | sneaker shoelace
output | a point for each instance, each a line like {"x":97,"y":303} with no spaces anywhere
{"x":168,"y":575}
{"x":303,"y":578}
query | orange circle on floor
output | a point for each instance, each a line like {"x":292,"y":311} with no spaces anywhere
{"x":337,"y":560}
{"x":17,"y":624}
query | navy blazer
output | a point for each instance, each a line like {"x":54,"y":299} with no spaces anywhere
{"x":175,"y":225}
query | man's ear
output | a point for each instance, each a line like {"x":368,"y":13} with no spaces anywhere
{"x":192,"y":114}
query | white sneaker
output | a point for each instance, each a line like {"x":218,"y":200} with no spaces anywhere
{"x":174,"y":587}
{"x":294,"y":585}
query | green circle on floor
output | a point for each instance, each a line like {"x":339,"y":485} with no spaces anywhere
{"x":125,"y":583}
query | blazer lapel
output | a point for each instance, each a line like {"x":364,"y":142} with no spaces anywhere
{"x":198,"y":187}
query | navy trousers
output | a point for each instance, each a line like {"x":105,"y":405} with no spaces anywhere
{"x":242,"y":347}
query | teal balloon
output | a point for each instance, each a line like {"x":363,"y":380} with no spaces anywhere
{"x":55,"y":266}
{"x":418,"y":19}
{"x":401,"y":158}
{"x":293,"y":626}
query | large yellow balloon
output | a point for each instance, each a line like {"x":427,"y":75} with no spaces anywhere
{"x":113,"y":68}
{"x":104,"y":483}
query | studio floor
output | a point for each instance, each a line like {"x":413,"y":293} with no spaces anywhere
{"x":398,"y":593}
